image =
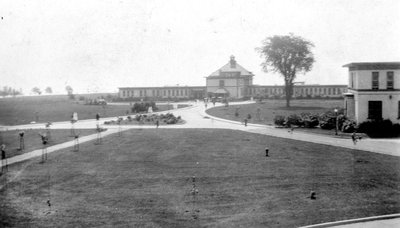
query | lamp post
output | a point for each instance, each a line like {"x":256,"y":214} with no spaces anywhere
{"x":336,"y":125}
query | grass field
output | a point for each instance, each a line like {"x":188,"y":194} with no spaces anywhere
{"x":33,"y":141}
{"x":144,"y":179}
{"x":271,"y":108}
{"x":23,"y":110}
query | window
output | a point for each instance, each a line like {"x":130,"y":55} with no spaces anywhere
{"x":375,"y":80}
{"x":389,"y":79}
{"x":123,"y":93}
{"x":140,"y":92}
{"x":221,"y":83}
{"x":375,"y":110}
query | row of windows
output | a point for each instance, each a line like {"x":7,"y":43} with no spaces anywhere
{"x":169,"y":92}
{"x":300,"y":91}
{"x":389,"y":80}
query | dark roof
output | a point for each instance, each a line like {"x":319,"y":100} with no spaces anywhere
{"x":373,"y":66}
{"x":232,"y":66}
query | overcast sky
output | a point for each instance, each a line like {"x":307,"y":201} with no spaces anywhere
{"x":98,"y":46}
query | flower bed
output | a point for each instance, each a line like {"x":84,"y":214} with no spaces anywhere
{"x":147,"y":119}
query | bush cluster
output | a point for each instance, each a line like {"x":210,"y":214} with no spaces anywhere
{"x":306,"y":120}
{"x":325,"y":120}
{"x":168,"y":118}
{"x":143,"y":106}
{"x":379,"y":128}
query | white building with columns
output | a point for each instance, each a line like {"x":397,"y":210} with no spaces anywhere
{"x":373,"y":91}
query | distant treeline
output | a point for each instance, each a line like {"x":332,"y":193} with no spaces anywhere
{"x":9,"y":91}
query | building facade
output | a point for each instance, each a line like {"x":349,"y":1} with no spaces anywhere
{"x":230,"y":81}
{"x":373,"y":91}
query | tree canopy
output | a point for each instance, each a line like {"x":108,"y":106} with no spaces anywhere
{"x":48,"y":90}
{"x":287,"y":55}
{"x":36,"y":90}
{"x":69,"y":90}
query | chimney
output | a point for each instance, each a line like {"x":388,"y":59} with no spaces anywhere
{"x":233,"y":62}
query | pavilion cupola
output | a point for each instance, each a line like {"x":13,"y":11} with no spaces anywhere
{"x":233,"y":62}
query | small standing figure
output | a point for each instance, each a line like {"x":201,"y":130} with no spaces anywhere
{"x":97,"y":116}
{"x":99,"y":138}
{"x":4,"y":164}
{"x":76,"y":143}
{"x":119,"y":120}
{"x":205,"y":104}
{"x":157,"y":123}
{"x":48,"y":133}
{"x":245,"y":122}
{"x":21,"y":140}
{"x":354,"y":138}
{"x":44,"y":149}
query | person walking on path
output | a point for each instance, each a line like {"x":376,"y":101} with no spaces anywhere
{"x":157,"y":123}
{"x":354,"y":138}
{"x":245,"y":122}
{"x":4,"y":165}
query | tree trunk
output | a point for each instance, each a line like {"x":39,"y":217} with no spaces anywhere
{"x":288,"y":93}
{"x":287,"y":101}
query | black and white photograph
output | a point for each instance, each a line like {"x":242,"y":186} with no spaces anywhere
{"x":200,"y":113}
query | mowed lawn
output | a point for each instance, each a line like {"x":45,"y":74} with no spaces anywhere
{"x":271,"y":108}
{"x":23,"y":110}
{"x":33,"y":141}
{"x":144,"y":179}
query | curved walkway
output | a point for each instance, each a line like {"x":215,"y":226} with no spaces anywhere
{"x":196,"y":117}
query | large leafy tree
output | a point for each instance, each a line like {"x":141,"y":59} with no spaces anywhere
{"x":287,"y":55}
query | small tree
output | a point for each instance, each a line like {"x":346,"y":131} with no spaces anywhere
{"x":48,"y":90}
{"x":36,"y":90}
{"x":70,"y":92}
{"x":287,"y":55}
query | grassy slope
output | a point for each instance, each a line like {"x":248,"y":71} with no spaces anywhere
{"x":22,"y":110}
{"x":32,"y":139}
{"x":144,"y":179}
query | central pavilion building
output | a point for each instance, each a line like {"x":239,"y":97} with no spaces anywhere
{"x":230,"y":81}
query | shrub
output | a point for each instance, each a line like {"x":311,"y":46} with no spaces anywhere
{"x":294,"y":120}
{"x":327,"y":121}
{"x":379,"y":128}
{"x":348,"y":126}
{"x":143,"y":107}
{"x":279,"y":120}
{"x":310,"y":120}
